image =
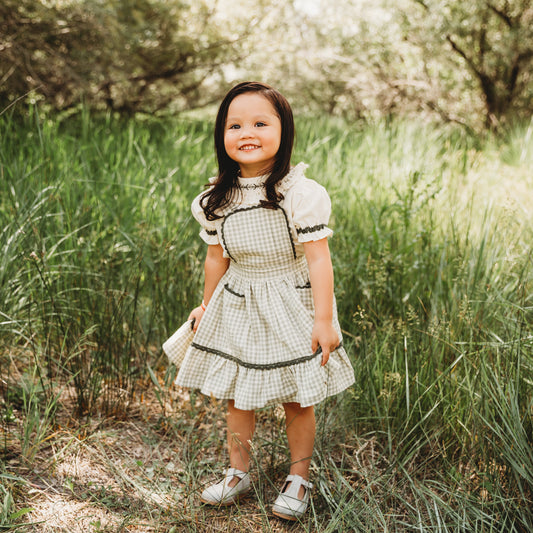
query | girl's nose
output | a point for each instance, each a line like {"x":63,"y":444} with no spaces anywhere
{"x":245,"y":132}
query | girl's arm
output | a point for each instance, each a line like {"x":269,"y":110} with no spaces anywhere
{"x":215,"y":267}
{"x":321,"y":277}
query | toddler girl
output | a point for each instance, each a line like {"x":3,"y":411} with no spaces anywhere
{"x":267,"y":330}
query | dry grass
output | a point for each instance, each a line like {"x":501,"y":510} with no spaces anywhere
{"x":144,"y":474}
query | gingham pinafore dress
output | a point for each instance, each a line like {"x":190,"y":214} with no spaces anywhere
{"x":253,"y":344}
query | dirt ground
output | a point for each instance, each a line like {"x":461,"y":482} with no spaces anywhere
{"x":144,"y":473}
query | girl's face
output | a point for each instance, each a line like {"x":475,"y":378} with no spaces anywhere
{"x":252,"y":134}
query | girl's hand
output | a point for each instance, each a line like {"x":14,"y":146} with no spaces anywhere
{"x":325,"y":336}
{"x":197,"y":313}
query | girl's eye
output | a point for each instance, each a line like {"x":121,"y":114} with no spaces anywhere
{"x":260,"y":124}
{"x":234,"y":127}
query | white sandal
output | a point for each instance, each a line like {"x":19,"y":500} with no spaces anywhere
{"x":222,"y":494}
{"x":287,"y":504}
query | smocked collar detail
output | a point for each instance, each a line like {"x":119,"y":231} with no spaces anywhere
{"x":257,"y":182}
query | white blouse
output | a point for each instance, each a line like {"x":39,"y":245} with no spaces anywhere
{"x":306,"y":203}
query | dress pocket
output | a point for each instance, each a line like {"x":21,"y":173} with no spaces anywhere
{"x":306,"y":296}
{"x":235,"y":320}
{"x":232,"y":291}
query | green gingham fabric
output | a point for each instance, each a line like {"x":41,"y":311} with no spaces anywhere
{"x":253,"y":344}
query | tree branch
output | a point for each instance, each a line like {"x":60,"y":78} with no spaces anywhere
{"x":422,"y":3}
{"x":448,"y":117}
{"x":504,"y":16}
{"x":524,"y":57}
{"x":463,"y":54}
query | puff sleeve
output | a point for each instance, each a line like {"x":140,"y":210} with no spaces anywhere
{"x":208,"y":232}
{"x":310,"y":210}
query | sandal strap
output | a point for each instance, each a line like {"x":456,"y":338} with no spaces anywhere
{"x":234,"y":472}
{"x":298,"y":480}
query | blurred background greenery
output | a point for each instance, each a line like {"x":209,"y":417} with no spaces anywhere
{"x":468,"y":62}
{"x":416,"y":116}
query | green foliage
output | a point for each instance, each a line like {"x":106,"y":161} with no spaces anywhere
{"x":437,"y":307}
{"x":146,"y":55}
{"x":93,"y":263}
{"x":491,"y":43}
{"x":10,"y":518}
{"x":463,"y":62}
{"x":100,"y":261}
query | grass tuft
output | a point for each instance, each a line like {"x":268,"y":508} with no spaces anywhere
{"x":100,"y":261}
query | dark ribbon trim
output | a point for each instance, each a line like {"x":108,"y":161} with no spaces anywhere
{"x":231,"y":291}
{"x":310,"y":229}
{"x":253,"y":186}
{"x":267,"y":366}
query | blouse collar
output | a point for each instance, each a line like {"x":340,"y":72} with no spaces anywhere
{"x":283,"y":186}
{"x":297,"y":172}
{"x":252,"y":183}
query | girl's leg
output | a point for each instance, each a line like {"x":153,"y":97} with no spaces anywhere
{"x":240,"y":429}
{"x":300,"y":423}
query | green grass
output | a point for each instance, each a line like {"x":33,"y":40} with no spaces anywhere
{"x":100,"y":261}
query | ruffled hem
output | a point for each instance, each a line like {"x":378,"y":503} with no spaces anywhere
{"x":305,"y":383}
{"x":209,"y":237}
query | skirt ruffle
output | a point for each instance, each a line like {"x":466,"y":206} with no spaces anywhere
{"x":253,"y":344}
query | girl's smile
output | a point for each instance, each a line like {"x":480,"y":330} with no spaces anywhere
{"x":252,"y":134}
{"x":248,"y":147}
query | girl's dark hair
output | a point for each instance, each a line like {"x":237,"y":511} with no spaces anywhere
{"x":222,"y":191}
